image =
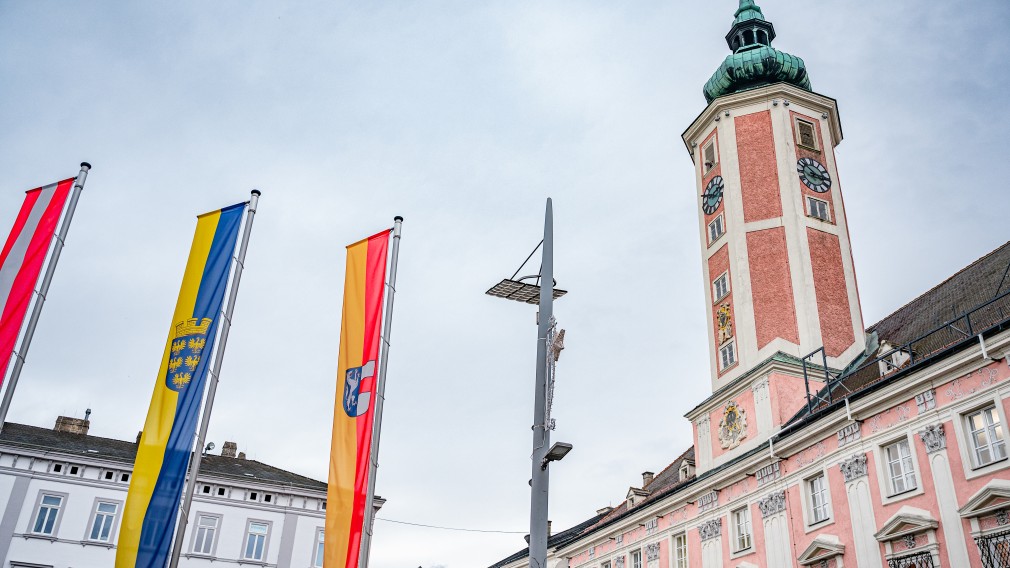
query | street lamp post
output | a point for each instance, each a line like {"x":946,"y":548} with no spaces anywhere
{"x":543,"y":452}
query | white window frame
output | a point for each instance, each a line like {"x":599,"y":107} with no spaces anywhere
{"x":799,"y":139}
{"x":720,"y":223}
{"x":636,"y":558}
{"x":716,"y":297}
{"x":215,"y":538}
{"x":317,"y":550}
{"x":810,"y":209}
{"x":705,"y":169}
{"x":809,"y":523}
{"x":731,"y":346}
{"x":113,"y":526}
{"x":995,"y":434}
{"x":605,"y":564}
{"x":959,"y":412}
{"x":737,"y":518}
{"x":680,"y":554}
{"x":266,"y":540}
{"x":36,"y":511}
{"x":887,"y":491}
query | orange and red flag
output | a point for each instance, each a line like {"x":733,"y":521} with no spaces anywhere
{"x":354,"y":408}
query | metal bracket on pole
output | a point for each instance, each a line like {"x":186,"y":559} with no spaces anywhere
{"x":26,"y":341}
{"x":215,"y":372}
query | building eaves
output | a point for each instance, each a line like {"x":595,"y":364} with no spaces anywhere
{"x":122,"y":452}
{"x":553,"y":541}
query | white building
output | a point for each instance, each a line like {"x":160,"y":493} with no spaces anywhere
{"x":62,"y":494}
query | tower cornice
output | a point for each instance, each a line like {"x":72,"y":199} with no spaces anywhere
{"x":782,"y":91}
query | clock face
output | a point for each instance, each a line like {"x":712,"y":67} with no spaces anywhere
{"x":712,"y":196}
{"x":814,"y":175}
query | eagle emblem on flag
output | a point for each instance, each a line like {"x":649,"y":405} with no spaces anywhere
{"x":356,"y":402}
{"x":186,"y":352}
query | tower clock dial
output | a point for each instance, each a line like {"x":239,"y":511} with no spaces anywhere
{"x":712,"y":196}
{"x":814,"y":175}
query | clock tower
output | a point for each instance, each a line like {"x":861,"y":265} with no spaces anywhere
{"x":777,"y":263}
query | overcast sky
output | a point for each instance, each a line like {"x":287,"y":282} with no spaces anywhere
{"x":462,"y":117}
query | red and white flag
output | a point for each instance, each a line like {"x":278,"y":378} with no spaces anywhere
{"x":22,"y":258}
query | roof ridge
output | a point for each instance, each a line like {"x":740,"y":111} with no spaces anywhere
{"x":935,"y":287}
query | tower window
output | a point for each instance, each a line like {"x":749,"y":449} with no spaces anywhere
{"x":720,"y":287}
{"x":715,"y":229}
{"x":710,"y":156}
{"x":818,"y":209}
{"x":727,"y":355}
{"x":806,"y":136}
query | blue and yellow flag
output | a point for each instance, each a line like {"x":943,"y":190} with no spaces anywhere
{"x":159,"y":472}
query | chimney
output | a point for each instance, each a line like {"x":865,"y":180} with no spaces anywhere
{"x":139,"y":436}
{"x":72,"y":425}
{"x":646,"y":478}
{"x":241,"y":455}
{"x":604,"y":510}
{"x":229,"y":450}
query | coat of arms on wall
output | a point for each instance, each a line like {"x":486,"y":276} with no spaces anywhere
{"x":733,"y":426}
{"x":724,"y":322}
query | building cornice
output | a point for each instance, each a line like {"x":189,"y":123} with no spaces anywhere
{"x":814,"y":101}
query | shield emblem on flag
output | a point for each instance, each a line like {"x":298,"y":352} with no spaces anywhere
{"x":355,"y":401}
{"x":186,"y":352}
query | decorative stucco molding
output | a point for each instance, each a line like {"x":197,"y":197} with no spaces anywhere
{"x":711,"y":529}
{"x":849,"y":434}
{"x":652,"y":552}
{"x":854,"y":467}
{"x":768,"y":473}
{"x":926,"y":400}
{"x":772,"y":504}
{"x":993,"y":497}
{"x":619,"y":562}
{"x":708,"y":501}
{"x":760,"y":389}
{"x":824,"y":547}
{"x":934,"y":438}
{"x":908,"y":521}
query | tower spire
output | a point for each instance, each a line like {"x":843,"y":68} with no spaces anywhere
{"x":748,"y":10}
{"x":754,"y":62}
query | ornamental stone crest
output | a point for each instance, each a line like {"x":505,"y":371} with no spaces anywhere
{"x":711,"y":529}
{"x":733,"y":426}
{"x":853,"y":468}
{"x":934,"y":438}
{"x":652,"y":552}
{"x":619,"y":563}
{"x":909,"y":541}
{"x":724,"y":322}
{"x":772,"y":504}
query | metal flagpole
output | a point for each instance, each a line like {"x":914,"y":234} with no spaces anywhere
{"x":26,"y":341}
{"x":215,"y":371}
{"x":380,"y":387}
{"x":541,"y":428}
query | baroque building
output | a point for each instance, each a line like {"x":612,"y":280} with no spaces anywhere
{"x":63,"y":493}
{"x":824,"y":442}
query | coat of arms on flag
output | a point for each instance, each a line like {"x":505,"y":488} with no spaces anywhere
{"x":190,"y":339}
{"x":356,"y":402}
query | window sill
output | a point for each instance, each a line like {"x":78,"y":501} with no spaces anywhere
{"x":716,"y":240}
{"x":742,"y":552}
{"x":990,"y":464}
{"x":818,"y":525}
{"x":97,"y":543}
{"x":811,"y":148}
{"x":48,"y":537}
{"x":906,"y":494}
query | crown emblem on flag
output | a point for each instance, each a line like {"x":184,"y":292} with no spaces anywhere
{"x":192,"y":327}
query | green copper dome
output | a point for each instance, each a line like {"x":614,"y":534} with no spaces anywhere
{"x":754,"y":62}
